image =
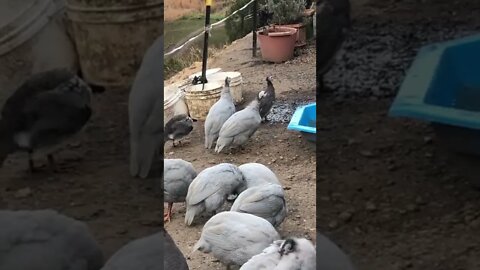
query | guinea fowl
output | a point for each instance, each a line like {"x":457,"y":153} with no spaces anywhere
{"x":333,"y":20}
{"x":218,"y":114}
{"x":145,"y":112}
{"x":178,"y":127}
{"x":46,"y":240}
{"x":233,"y":237}
{"x":289,"y":254}
{"x":267,"y":97}
{"x":147,"y":253}
{"x":239,"y":127}
{"x":266,"y":201}
{"x":178,"y":174}
{"x":209,"y":190}
{"x":256,"y":174}
{"x":43,"y":114}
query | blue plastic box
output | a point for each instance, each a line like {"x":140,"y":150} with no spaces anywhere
{"x":305,"y":120}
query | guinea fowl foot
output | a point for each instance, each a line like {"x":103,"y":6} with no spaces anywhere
{"x":167,"y":217}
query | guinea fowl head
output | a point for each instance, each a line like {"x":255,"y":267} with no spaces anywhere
{"x":269,"y":80}
{"x":287,"y":247}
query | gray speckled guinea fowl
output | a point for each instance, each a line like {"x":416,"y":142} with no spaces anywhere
{"x":46,"y":240}
{"x":177,"y":176}
{"x":267,"y":97}
{"x":209,"y":190}
{"x":289,"y":254}
{"x":218,"y":114}
{"x":239,"y":127}
{"x":256,"y":174}
{"x":233,"y":237}
{"x":145,"y":112}
{"x":43,"y":114}
{"x":147,"y":253}
{"x":333,"y":21}
{"x":178,"y":127}
{"x":266,"y":201}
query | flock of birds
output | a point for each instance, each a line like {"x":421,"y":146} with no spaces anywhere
{"x":51,"y":107}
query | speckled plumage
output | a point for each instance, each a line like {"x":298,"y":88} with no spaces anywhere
{"x":145,"y":112}
{"x":299,"y":254}
{"x":147,"y":253}
{"x":266,"y":201}
{"x":233,"y":237}
{"x":239,"y":127}
{"x":209,"y":190}
{"x":257,"y":174}
{"x":46,"y":240}
{"x":218,"y":114}
{"x":43,"y":113}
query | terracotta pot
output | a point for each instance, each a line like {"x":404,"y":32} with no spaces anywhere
{"x":301,"y":33}
{"x":278,"y":45}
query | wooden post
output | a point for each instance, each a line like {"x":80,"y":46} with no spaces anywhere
{"x":254,"y":41}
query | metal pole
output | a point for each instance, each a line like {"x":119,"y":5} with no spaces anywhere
{"x":255,"y":14}
{"x":208,"y":4}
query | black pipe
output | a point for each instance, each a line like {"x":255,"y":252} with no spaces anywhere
{"x":255,"y":13}
{"x":205,"y":46}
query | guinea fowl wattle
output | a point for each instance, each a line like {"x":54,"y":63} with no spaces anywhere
{"x":45,"y":111}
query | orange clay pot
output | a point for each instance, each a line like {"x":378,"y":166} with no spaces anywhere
{"x":278,"y":44}
{"x":301,"y":33}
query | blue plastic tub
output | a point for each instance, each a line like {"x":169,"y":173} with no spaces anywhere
{"x":305,"y":120}
{"x":443,"y":87}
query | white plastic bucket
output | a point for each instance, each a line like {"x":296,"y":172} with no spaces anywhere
{"x":236,"y":83}
{"x":200,"y":100}
{"x":173,"y":102}
{"x":27,"y":29}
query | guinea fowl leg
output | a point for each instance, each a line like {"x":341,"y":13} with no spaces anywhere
{"x":167,"y":216}
{"x":31,"y":165}
{"x":173,"y":143}
{"x":51,"y":163}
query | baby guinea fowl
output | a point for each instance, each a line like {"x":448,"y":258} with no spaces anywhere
{"x":46,"y":240}
{"x":289,"y":254}
{"x":233,"y":238}
{"x":146,"y":254}
{"x":239,"y":127}
{"x":267,"y":97}
{"x":266,"y":201}
{"x":178,"y":127}
{"x":218,"y":114}
{"x":177,"y":176}
{"x":43,"y":113}
{"x":209,"y":190}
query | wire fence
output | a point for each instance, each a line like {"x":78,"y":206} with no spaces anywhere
{"x":201,"y":32}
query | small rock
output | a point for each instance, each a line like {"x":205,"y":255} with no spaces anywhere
{"x":366,"y":153}
{"x":171,"y":153}
{"x":427,"y":139}
{"x":346,"y":216}
{"x":333,"y":224}
{"x":23,"y":193}
{"x":370,"y":206}
{"x":412,"y":207}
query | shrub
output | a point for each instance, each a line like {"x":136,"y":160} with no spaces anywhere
{"x":286,"y":11}
{"x":238,"y":25}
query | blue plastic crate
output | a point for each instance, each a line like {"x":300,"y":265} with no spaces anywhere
{"x":305,"y":120}
{"x":443,"y":87}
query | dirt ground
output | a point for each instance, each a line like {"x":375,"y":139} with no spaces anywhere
{"x":388,"y":192}
{"x":288,"y":155}
{"x":94,"y":185}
